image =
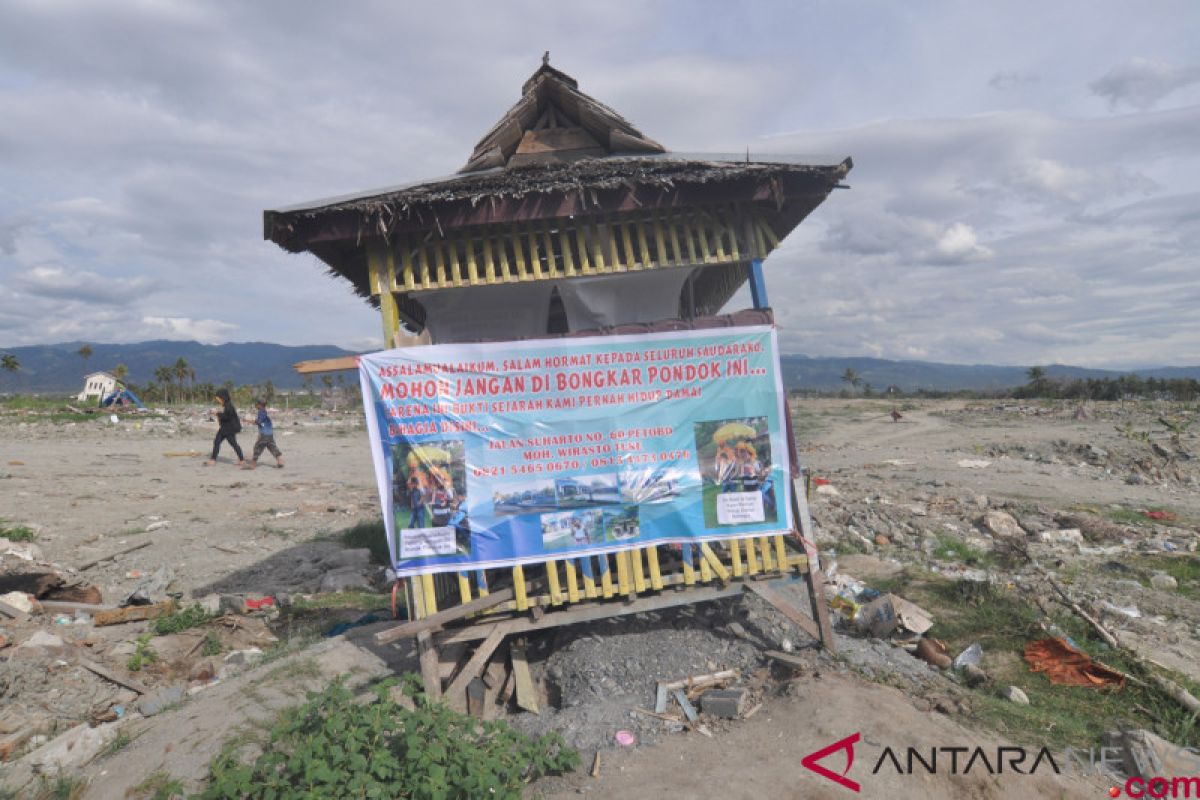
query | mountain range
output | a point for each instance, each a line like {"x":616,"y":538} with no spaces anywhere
{"x":59,"y":368}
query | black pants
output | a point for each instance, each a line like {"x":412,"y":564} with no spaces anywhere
{"x":232,"y":439}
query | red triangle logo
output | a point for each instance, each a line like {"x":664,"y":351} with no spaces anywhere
{"x":847,"y":744}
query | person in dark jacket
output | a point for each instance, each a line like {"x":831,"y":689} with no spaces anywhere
{"x":229,"y":426}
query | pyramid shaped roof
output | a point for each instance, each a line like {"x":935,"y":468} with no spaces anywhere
{"x":554,"y":122}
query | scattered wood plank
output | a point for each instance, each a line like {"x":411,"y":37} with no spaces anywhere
{"x":700,"y":681}
{"x":787,"y":658}
{"x":474,"y":666}
{"x":494,"y":678}
{"x":786,"y":607}
{"x":657,"y":714}
{"x":65,"y":607}
{"x":689,"y":710}
{"x":429,"y":665}
{"x":526,"y":696}
{"x":660,"y":698}
{"x":110,"y":556}
{"x":753,"y":711}
{"x":595,"y":773}
{"x":326,"y":365}
{"x":13,"y":612}
{"x":435,"y":622}
{"x":589,"y":612}
{"x":506,"y":691}
{"x":108,"y":675}
{"x":134,"y":613}
{"x":476,"y":693}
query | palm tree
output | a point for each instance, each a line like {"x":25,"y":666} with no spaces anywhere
{"x":84,"y":352}
{"x":120,"y":372}
{"x":1037,"y":380}
{"x":10,"y":363}
{"x":165,"y":375}
{"x":180,"y":370}
{"x":851,"y":377}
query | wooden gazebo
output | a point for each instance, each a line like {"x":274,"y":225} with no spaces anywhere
{"x":566,"y":219}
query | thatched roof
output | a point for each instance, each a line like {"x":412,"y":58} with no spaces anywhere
{"x":554,"y":121}
{"x":558,"y":154}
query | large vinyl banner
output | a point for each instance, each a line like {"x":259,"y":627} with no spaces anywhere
{"x":498,"y":454}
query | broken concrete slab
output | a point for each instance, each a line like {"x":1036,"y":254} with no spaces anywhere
{"x":727,"y":703}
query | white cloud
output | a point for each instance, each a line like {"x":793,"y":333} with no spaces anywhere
{"x":205,"y":331}
{"x":959,"y":244}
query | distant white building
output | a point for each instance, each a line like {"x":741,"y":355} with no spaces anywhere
{"x":98,"y":385}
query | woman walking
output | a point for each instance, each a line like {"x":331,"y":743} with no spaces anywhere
{"x":229,"y":426}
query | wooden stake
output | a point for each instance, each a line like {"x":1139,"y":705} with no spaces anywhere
{"x":526,"y":696}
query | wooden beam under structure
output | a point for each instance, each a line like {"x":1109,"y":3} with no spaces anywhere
{"x":319,"y":365}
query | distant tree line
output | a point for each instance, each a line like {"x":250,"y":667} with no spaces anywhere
{"x":1040,"y":386}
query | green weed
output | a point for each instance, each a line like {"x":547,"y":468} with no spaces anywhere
{"x":144,"y":655}
{"x":952,"y":548}
{"x":331,"y":746}
{"x":17,"y":533}
{"x":158,"y":786}
{"x":180,"y":620}
{"x":212,"y":645}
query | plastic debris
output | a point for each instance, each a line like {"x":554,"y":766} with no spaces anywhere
{"x":973,"y":655}
{"x":1130,"y":611}
{"x":625,"y":738}
{"x":1067,"y":666}
{"x":933,"y":651}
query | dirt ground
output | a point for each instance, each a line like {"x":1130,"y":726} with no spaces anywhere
{"x":895,"y":493}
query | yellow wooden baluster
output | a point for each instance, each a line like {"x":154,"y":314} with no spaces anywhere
{"x":430,"y":594}
{"x":519,"y":588}
{"x":552,"y":579}
{"x":464,"y":587}
{"x":551,"y":261}
{"x":564,"y":244}
{"x":751,"y":559}
{"x":589,"y":582}
{"x":472,"y":267}
{"x":572,"y":582}
{"x":519,"y":254}
{"x":606,"y":581}
{"x":689,"y":572}
{"x":635,"y":563}
{"x":489,"y":263}
{"x":764,"y":547}
{"x":780,"y":552}
{"x":456,"y":267}
{"x":656,"y":580}
{"x":660,"y":241}
{"x":735,"y":553}
{"x":640,"y":226}
{"x":714,"y":562}
{"x":706,"y":573}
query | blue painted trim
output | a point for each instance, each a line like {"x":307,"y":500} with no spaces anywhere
{"x":758,"y":284}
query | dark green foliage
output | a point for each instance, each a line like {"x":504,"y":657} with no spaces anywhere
{"x":180,"y":620}
{"x":17,"y":533}
{"x":332,"y":746}
{"x":371,"y":535}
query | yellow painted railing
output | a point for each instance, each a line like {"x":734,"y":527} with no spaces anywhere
{"x":637,"y":571}
{"x":486,"y":255}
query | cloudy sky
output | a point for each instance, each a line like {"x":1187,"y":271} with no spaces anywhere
{"x":1026,"y":185}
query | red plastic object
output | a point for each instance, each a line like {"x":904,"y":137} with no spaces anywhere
{"x":820,"y":482}
{"x":265,"y":602}
{"x":1167,"y":515}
